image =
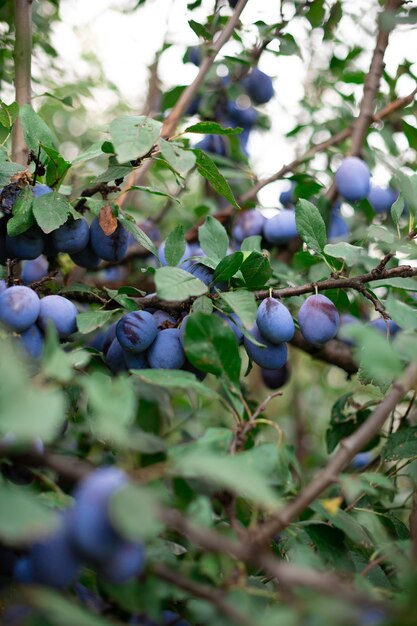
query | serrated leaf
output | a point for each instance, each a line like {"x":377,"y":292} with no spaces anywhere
{"x":213,"y":238}
{"x":35,"y":130}
{"x":401,"y":445}
{"x":310,"y":226}
{"x":212,"y":128}
{"x":175,"y":246}
{"x":92,"y":320}
{"x":23,"y":217}
{"x":228,"y":267}
{"x":242,"y":303}
{"x":343,"y":250}
{"x":92,"y":152}
{"x":181,"y":160}
{"x":256,"y":270}
{"x":250,"y":244}
{"x":8,"y":113}
{"x":56,"y":167}
{"x":52,"y":210}
{"x":138,"y":234}
{"x":175,"y":284}
{"x":209,"y":170}
{"x":202,"y":305}
{"x":133,"y":136}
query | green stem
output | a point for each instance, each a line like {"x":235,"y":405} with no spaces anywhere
{"x":22,"y":63}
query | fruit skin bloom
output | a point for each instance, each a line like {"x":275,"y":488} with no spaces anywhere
{"x":353,"y":179}
{"x":274,"y":321}
{"x":318,"y":319}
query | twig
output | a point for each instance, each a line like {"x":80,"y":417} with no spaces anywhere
{"x":22,"y":64}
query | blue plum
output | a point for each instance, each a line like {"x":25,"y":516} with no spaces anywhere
{"x":116,"y":357}
{"x":353,"y":179}
{"x":3,"y":285}
{"x":345,"y":320}
{"x":200,"y":271}
{"x":53,"y":561}
{"x":126,"y":562}
{"x":194,"y":55}
{"x":61,"y":312}
{"x":161,"y":253}
{"x":136,"y":331}
{"x":258,"y":86}
{"x":40,"y":190}
{"x":214,"y":144}
{"x":135,"y":361}
{"x":361,"y":460}
{"x":169,"y":618}
{"x":19,"y":307}
{"x":382,"y":198}
{"x":281,"y":228}
{"x":71,"y":237}
{"x":241,"y":116}
{"x":287,"y":197}
{"x":108,"y":336}
{"x":275,"y":379}
{"x":338,"y":228}
{"x":380,"y":325}
{"x":271,"y":357}
{"x":29,"y":245}
{"x":86,"y":258}
{"x":35,"y":270}
{"x":248,"y":224}
{"x":31,"y":340}
{"x":111,"y":248}
{"x":162,"y":318}
{"x":318,"y":319}
{"x":275,"y":321}
{"x":90,"y":528}
{"x":235,"y":324}
{"x":23,"y":572}
{"x":166,"y":352}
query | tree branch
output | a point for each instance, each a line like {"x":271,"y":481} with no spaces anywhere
{"x":22,"y":65}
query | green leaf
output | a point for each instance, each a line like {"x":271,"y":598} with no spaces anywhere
{"x":91,"y":320}
{"x":92,"y":152}
{"x":8,"y":113}
{"x":408,"y":187}
{"x":35,"y":131}
{"x":251,"y":244}
{"x":208,"y":169}
{"x":316,"y":13}
{"x":7,"y":170}
{"x":345,"y":418}
{"x":56,"y":167}
{"x":202,"y":305}
{"x":347,"y":252}
{"x":213,"y":238}
{"x":411,"y":133}
{"x":61,"y":611}
{"x":211,"y":346}
{"x":154,"y":192}
{"x":256,"y":270}
{"x":23,"y":516}
{"x":181,"y":160}
{"x":310,"y":226}
{"x":138,"y":234}
{"x":133,"y":136}
{"x":135,"y":503}
{"x":52,"y":210}
{"x":228,"y":266}
{"x":402,"y":314}
{"x":23,"y":217}
{"x":175,"y":284}
{"x":173,"y":379}
{"x":242,"y":303}
{"x":397,"y":210}
{"x":401,"y":445}
{"x":58,"y":364}
{"x":212,"y":128}
{"x":175,"y":246}
{"x":200,"y":30}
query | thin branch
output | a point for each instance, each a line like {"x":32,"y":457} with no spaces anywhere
{"x":347,"y":449}
{"x":22,"y":64}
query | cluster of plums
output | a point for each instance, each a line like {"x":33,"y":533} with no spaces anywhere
{"x":23,"y":312}
{"x":85,"y":535}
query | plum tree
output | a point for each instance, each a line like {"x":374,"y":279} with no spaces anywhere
{"x":318,"y":319}
{"x":353,"y":179}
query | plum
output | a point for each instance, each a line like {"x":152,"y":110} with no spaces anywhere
{"x":338,"y":228}
{"x":111,"y":248}
{"x":235,"y":324}
{"x":248,"y":224}
{"x":136,"y":331}
{"x":166,"y":352}
{"x":71,"y":237}
{"x":361,"y":460}
{"x":162,"y":318}
{"x":271,"y":357}
{"x":169,"y":618}
{"x":3,"y":285}
{"x":31,"y":340}
{"x":318,"y":319}
{"x":29,"y":245}
{"x":241,"y":116}
{"x":115,"y":357}
{"x":135,"y":361}
{"x":345,"y":320}
{"x":34,"y":270}
{"x":61,"y":312}
{"x":287,"y":197}
{"x":382,"y":198}
{"x":353,"y":179}
{"x":40,"y":190}
{"x":161,"y":253}
{"x":19,"y":307}
{"x":258,"y":86}
{"x":91,"y":531}
{"x":281,"y":228}
{"x":275,"y":379}
{"x":194,"y":55}
{"x":200,"y":271}
{"x":86,"y":258}
{"x":124,"y":563}
{"x":380,"y":325}
{"x":23,"y":572}
{"x":275,"y":321}
{"x":214,"y":144}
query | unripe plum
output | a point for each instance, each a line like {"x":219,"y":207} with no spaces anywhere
{"x":275,"y":379}
{"x":353,"y":179}
{"x":29,"y":245}
{"x":111,"y":248}
{"x":71,"y":237}
{"x":166,"y":352}
{"x":136,"y":331}
{"x":318,"y":319}
{"x":31,"y":340}
{"x":34,"y":270}
{"x":382,"y":198}
{"x":275,"y":321}
{"x":272,"y":357}
{"x":19,"y":307}
{"x":61,"y":312}
{"x":281,"y":228}
{"x":248,"y":224}
{"x":258,"y":86}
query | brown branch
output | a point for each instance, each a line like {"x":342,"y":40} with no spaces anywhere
{"x":214,"y":596}
{"x":333,"y":352}
{"x":347,"y":449}
{"x":22,"y":64}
